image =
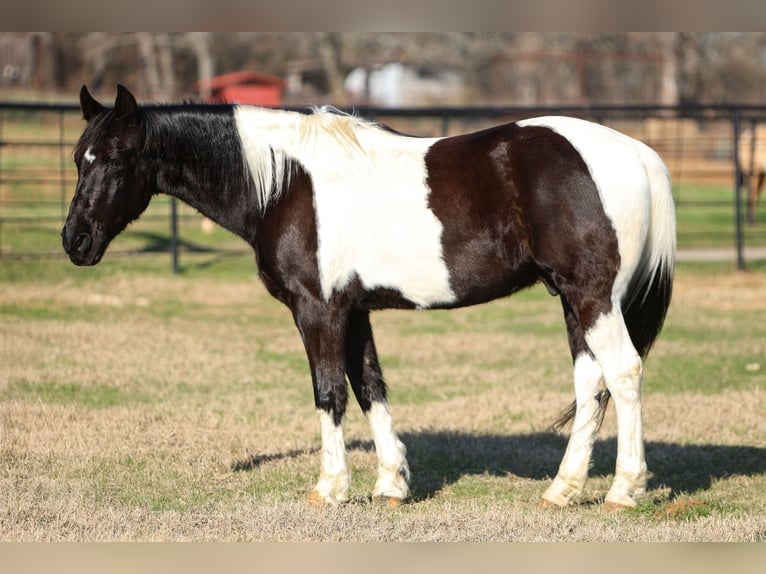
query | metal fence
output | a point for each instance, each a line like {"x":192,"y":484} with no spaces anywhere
{"x":709,"y":150}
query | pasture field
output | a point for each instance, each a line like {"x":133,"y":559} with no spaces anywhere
{"x":137,"y":405}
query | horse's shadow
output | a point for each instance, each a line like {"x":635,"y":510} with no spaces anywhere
{"x":440,"y":458}
{"x":160,"y":242}
{"x":681,"y":468}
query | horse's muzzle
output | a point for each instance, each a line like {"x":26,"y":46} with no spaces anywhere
{"x":81,"y":247}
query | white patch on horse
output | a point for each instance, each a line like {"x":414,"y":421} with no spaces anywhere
{"x":89,"y":156}
{"x":616,"y":165}
{"x":370,"y":197}
{"x":265,"y":161}
{"x":573,"y":470}
{"x":393,"y":470}
{"x":335,"y":479}
{"x":610,"y":342}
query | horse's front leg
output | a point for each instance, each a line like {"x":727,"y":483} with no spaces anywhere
{"x":334,"y":477}
{"x":363,"y":369}
{"x":323,"y":333}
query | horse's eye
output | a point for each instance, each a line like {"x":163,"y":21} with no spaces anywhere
{"x":116,"y":163}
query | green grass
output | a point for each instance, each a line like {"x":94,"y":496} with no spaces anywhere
{"x":89,"y":397}
{"x":706,"y":218}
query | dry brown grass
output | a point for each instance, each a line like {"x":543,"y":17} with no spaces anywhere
{"x":146,"y":407}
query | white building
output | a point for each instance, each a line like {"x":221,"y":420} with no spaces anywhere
{"x":397,"y":85}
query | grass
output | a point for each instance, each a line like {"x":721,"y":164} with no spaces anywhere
{"x":138,"y":405}
{"x":706,"y":216}
{"x":90,"y":397}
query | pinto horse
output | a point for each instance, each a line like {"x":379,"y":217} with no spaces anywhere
{"x":347,"y":216}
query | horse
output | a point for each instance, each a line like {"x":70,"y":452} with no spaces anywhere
{"x":752,"y":161}
{"x":347,"y":216}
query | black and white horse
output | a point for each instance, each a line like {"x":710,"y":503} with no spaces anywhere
{"x":346,"y":217}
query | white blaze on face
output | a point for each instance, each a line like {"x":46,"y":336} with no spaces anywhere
{"x":89,"y":156}
{"x":371,"y":202}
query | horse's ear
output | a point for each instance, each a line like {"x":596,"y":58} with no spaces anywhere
{"x":89,"y":106}
{"x":125,"y":104}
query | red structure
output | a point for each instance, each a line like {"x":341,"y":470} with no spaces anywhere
{"x":244,"y":88}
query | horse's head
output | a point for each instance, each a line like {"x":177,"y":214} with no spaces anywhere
{"x":113,"y":186}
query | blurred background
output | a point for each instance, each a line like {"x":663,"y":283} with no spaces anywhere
{"x":404,"y":69}
{"x":698,"y":98}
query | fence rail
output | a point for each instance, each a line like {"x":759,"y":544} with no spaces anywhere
{"x":709,"y":151}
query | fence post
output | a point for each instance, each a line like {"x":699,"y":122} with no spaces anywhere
{"x":751,"y":204}
{"x":739,"y":232}
{"x":174,"y":234}
{"x":62,"y":166}
{"x":2,"y":194}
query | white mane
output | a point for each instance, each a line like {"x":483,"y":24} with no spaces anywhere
{"x":273,"y":141}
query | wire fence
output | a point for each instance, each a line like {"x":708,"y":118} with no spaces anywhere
{"x":716,"y":156}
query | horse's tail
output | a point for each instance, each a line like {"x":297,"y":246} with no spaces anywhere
{"x":647,"y":299}
{"x":646,"y":302}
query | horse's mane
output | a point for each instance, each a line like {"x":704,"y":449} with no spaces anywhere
{"x":338,"y":125}
{"x":176,"y":131}
{"x":173,"y":130}
{"x":313,"y":131}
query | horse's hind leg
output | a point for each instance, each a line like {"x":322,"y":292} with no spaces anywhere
{"x":605,"y":334}
{"x":610,"y":342}
{"x":589,"y":385}
{"x":369,"y":388}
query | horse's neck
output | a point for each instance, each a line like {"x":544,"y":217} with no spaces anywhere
{"x":205,"y":168}
{"x":232,"y":163}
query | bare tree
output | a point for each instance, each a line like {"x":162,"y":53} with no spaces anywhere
{"x":329,"y":55}
{"x":95,"y":48}
{"x":669,"y":80}
{"x":148,"y":58}
{"x":199,"y":42}
{"x":156,"y":54}
{"x":164,"y":43}
{"x":547,"y":67}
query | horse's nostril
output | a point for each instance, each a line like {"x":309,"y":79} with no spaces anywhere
{"x":81,"y":243}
